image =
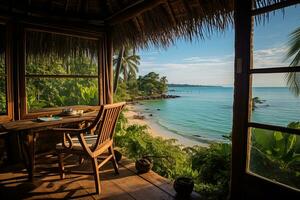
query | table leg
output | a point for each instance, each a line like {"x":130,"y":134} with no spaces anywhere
{"x":28,"y":151}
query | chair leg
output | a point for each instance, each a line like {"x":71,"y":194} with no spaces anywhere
{"x":114,"y":161}
{"x":61,"y":166}
{"x":96,"y":175}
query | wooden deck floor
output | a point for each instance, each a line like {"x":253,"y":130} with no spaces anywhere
{"x":47,"y":185}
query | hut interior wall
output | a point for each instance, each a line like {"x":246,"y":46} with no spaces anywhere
{"x":15,"y":62}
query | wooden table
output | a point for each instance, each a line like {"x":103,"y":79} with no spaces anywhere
{"x":27,"y":130}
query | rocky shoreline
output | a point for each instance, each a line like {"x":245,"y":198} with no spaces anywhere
{"x":163,"y":96}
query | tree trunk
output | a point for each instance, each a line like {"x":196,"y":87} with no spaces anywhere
{"x":118,"y":67}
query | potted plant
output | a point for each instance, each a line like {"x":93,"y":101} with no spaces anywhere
{"x":183,"y":186}
{"x":143,"y":165}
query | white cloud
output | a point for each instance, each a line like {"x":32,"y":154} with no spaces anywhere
{"x":217,"y":70}
{"x":272,"y":57}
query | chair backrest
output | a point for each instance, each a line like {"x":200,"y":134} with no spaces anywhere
{"x":103,"y":125}
{"x":107,"y":123}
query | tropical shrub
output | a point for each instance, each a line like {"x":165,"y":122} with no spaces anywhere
{"x":276,"y":155}
{"x":213,"y":167}
{"x":208,"y":167}
{"x":168,"y":157}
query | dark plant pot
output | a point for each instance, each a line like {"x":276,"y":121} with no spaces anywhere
{"x":118,"y":155}
{"x":143,"y":165}
{"x":183,"y":186}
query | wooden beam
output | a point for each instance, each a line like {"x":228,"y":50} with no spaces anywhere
{"x":60,"y":76}
{"x":275,"y":70}
{"x":274,"y":128}
{"x":274,"y":6}
{"x":242,"y":94}
{"x":132,"y":11}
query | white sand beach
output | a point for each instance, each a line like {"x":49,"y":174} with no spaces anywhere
{"x":156,"y":130}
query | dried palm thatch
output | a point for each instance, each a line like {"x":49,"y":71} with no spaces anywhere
{"x":158,"y":24}
{"x":53,"y":45}
{"x":172,"y":19}
{"x":187,"y":19}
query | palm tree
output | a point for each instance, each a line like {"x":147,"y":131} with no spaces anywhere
{"x":293,"y":78}
{"x":117,"y":63}
{"x":127,"y":62}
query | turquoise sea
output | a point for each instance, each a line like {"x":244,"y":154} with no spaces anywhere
{"x":205,"y":113}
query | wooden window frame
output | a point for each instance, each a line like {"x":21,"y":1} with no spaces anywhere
{"x":98,"y":37}
{"x":9,"y":93}
{"x":244,"y":183}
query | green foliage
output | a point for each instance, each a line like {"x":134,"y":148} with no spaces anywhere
{"x":2,"y":85}
{"x":129,"y":63}
{"x":136,"y":142}
{"x":152,"y":84}
{"x":208,"y":167}
{"x":213,"y":167}
{"x":276,"y":155}
{"x":149,"y":85}
{"x":293,"y":78}
{"x":52,"y":92}
{"x":121,"y":93}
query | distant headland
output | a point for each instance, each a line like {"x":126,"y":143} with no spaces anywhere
{"x":190,"y":85}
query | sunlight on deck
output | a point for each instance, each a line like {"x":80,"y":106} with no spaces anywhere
{"x":48,"y":185}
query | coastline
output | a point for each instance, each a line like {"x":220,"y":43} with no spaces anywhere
{"x":156,"y":130}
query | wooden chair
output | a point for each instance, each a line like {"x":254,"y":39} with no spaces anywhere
{"x":89,"y":145}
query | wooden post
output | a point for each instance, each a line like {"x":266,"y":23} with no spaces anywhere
{"x":106,"y":70}
{"x":16,"y":53}
{"x":242,"y":64}
{"x":110,"y":69}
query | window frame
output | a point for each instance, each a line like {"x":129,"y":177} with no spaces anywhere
{"x":9,"y":92}
{"x":98,"y":37}
{"x":266,"y":126}
{"x":244,"y":184}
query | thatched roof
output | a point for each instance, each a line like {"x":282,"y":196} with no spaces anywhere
{"x":40,"y":44}
{"x":138,"y":23}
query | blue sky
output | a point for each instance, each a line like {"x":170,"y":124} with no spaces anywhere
{"x":210,"y":61}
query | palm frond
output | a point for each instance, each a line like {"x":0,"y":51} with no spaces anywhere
{"x":293,"y":78}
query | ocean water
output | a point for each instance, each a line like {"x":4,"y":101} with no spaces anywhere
{"x":205,"y":113}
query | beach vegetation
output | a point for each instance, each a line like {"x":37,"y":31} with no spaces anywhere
{"x":126,"y":63}
{"x":151,"y":84}
{"x":208,"y":167}
{"x":276,"y":155}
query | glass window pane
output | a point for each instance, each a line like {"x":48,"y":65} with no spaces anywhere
{"x":276,"y":155}
{"x":273,"y":102}
{"x":54,"y":54}
{"x":3,"y":106}
{"x":56,"y":92}
{"x":273,"y":40}
{"x":2,"y":49}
